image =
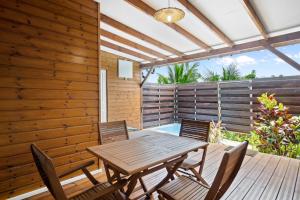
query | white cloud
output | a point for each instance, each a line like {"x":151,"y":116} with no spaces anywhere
{"x":297,"y":55}
{"x":240,"y":60}
{"x":245,"y":60}
{"x":278,"y":60}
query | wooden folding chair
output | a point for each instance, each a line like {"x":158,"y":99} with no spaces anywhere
{"x":45,"y":166}
{"x":113,"y":131}
{"x":197,"y":130}
{"x":186,"y":188}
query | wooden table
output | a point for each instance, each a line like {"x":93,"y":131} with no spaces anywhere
{"x":142,"y":155}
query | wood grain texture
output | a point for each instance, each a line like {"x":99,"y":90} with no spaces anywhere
{"x":48,"y":87}
{"x":123,"y":95}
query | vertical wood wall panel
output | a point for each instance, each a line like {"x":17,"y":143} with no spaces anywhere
{"x":123,"y":95}
{"x":49,"y":94}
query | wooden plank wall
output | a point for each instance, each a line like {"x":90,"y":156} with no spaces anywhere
{"x":235,"y":105}
{"x":198,"y":101}
{"x":158,"y":105}
{"x":124,"y":96}
{"x":48,"y":86}
{"x":286,"y":90}
{"x":236,"y":100}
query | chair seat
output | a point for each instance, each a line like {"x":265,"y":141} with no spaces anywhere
{"x":184,"y":188}
{"x":193,"y":160}
{"x":93,"y":193}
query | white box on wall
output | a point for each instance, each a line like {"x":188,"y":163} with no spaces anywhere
{"x":125,"y":69}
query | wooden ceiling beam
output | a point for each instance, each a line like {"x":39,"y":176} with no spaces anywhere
{"x":138,"y":34}
{"x":245,"y":47}
{"x":125,"y":50}
{"x":255,"y":19}
{"x":127,"y":42}
{"x":284,"y":57}
{"x":151,"y":11}
{"x":207,"y":22}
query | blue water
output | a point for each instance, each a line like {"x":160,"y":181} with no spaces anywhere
{"x":169,"y":128}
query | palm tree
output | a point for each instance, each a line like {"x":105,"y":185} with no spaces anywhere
{"x":211,"y":76}
{"x":230,"y":73}
{"x":180,"y":73}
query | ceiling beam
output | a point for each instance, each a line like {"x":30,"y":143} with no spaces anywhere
{"x":151,"y":11}
{"x":138,"y":34}
{"x":206,"y":21}
{"x":125,"y":50}
{"x":239,"y":48}
{"x":283,"y":56}
{"x":127,"y":42}
{"x":254,"y":17}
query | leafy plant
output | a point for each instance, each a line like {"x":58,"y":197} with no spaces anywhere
{"x":215,"y":135}
{"x":180,"y":73}
{"x":229,"y":73}
{"x":278,"y":131}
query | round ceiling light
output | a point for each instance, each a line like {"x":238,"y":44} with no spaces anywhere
{"x":169,"y":14}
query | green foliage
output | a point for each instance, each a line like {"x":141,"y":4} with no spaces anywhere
{"x":229,"y":73}
{"x":276,"y":131}
{"x":215,"y":135}
{"x":250,"y":76}
{"x":180,"y":73}
{"x":211,"y":76}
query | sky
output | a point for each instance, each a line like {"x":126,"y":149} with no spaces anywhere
{"x":265,"y":63}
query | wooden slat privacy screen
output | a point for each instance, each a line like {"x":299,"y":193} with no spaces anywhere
{"x":234,"y":102}
{"x":158,"y":105}
{"x":48,"y":86}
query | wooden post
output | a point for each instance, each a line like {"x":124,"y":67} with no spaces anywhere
{"x":147,"y":76}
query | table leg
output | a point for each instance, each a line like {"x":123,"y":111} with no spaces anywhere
{"x":106,"y":167}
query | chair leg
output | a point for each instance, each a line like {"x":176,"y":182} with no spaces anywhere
{"x":160,"y":197}
{"x":177,"y":174}
{"x":199,"y":177}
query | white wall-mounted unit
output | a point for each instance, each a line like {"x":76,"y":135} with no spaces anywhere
{"x":125,"y":69}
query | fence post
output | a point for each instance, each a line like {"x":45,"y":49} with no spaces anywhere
{"x":175,"y":104}
{"x":159,"y":105}
{"x":251,"y":104}
{"x":219,"y":101}
{"x":195,"y":102}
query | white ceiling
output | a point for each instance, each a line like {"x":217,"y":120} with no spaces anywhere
{"x":278,"y":17}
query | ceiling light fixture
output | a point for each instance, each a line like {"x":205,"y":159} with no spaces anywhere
{"x":169,"y":14}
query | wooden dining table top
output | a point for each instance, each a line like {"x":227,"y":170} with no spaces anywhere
{"x":146,"y":149}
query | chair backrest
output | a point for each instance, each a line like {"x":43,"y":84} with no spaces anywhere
{"x":195,"y":129}
{"x":47,"y":172}
{"x":230,"y":165}
{"x":113,"y":131}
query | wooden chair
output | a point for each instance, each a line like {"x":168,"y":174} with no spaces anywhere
{"x":197,"y":130}
{"x":113,"y":131}
{"x":230,"y":165}
{"x":50,"y":178}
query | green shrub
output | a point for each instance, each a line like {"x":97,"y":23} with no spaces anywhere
{"x":275,"y":130}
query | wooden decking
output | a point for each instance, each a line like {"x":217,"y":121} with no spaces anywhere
{"x":262,"y":176}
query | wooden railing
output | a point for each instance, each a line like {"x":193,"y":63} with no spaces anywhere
{"x":233,"y":102}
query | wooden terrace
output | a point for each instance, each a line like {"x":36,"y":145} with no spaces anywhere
{"x":262,"y":176}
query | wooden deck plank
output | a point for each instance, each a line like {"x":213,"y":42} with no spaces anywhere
{"x":297,"y":187}
{"x":244,"y":171}
{"x":289,"y":182}
{"x":275,"y":182}
{"x":261,"y":182}
{"x":263,"y":176}
{"x":241,"y":190}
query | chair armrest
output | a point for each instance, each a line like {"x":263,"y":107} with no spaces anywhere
{"x":76,"y":168}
